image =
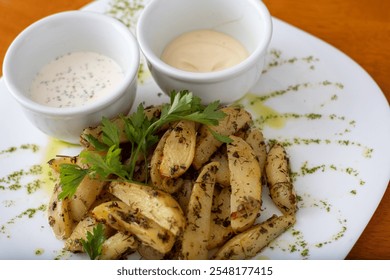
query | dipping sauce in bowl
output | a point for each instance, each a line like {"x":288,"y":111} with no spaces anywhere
{"x":75,"y":79}
{"x":71,"y":69}
{"x":204,"y":51}
{"x":207,"y":75}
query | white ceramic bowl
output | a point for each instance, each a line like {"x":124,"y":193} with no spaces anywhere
{"x":57,"y":35}
{"x":248,"y":21}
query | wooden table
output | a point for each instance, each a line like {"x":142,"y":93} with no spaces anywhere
{"x":361,"y":29}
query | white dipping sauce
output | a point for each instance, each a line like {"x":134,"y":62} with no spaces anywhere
{"x":204,"y":51}
{"x":75,"y":79}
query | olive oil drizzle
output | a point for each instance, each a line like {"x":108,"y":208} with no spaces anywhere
{"x":15,"y":180}
{"x":28,"y":213}
{"x":276,"y":60}
{"x":300,"y":245}
{"x":24,"y":147}
{"x":296,"y":88}
{"x":366,"y":152}
{"x":26,"y":179}
{"x":305,"y":169}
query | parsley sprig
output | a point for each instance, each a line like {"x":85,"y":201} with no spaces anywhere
{"x":105,"y":162}
{"x":94,"y":243}
{"x":70,"y":175}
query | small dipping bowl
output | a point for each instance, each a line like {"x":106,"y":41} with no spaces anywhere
{"x":57,"y":35}
{"x":247,"y":21}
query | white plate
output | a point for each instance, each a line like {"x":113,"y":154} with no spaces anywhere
{"x":335,"y":125}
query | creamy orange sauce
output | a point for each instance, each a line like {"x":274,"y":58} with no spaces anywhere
{"x":204,"y":51}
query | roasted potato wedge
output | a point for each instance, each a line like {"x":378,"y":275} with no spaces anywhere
{"x":85,"y":195}
{"x":196,"y":234}
{"x":245,"y":183}
{"x":179,"y":149}
{"x":220,"y":228}
{"x":254,"y":137}
{"x":223,"y":174}
{"x":154,"y":204}
{"x":166,"y":184}
{"x":59,"y":215}
{"x":129,"y":220}
{"x":206,"y":144}
{"x":250,"y":242}
{"x":184,"y":194}
{"x":73,"y":243}
{"x":279,"y":181}
{"x":118,"y":246}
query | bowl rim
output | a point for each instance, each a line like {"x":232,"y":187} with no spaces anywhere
{"x":99,"y":104}
{"x":205,"y":77}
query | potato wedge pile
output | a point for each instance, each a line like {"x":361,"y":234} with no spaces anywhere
{"x":202,"y":199}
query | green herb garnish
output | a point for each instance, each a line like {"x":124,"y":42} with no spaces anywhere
{"x":71,"y":176}
{"x":94,"y":243}
{"x":105,"y":162}
{"x":104,"y":165}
